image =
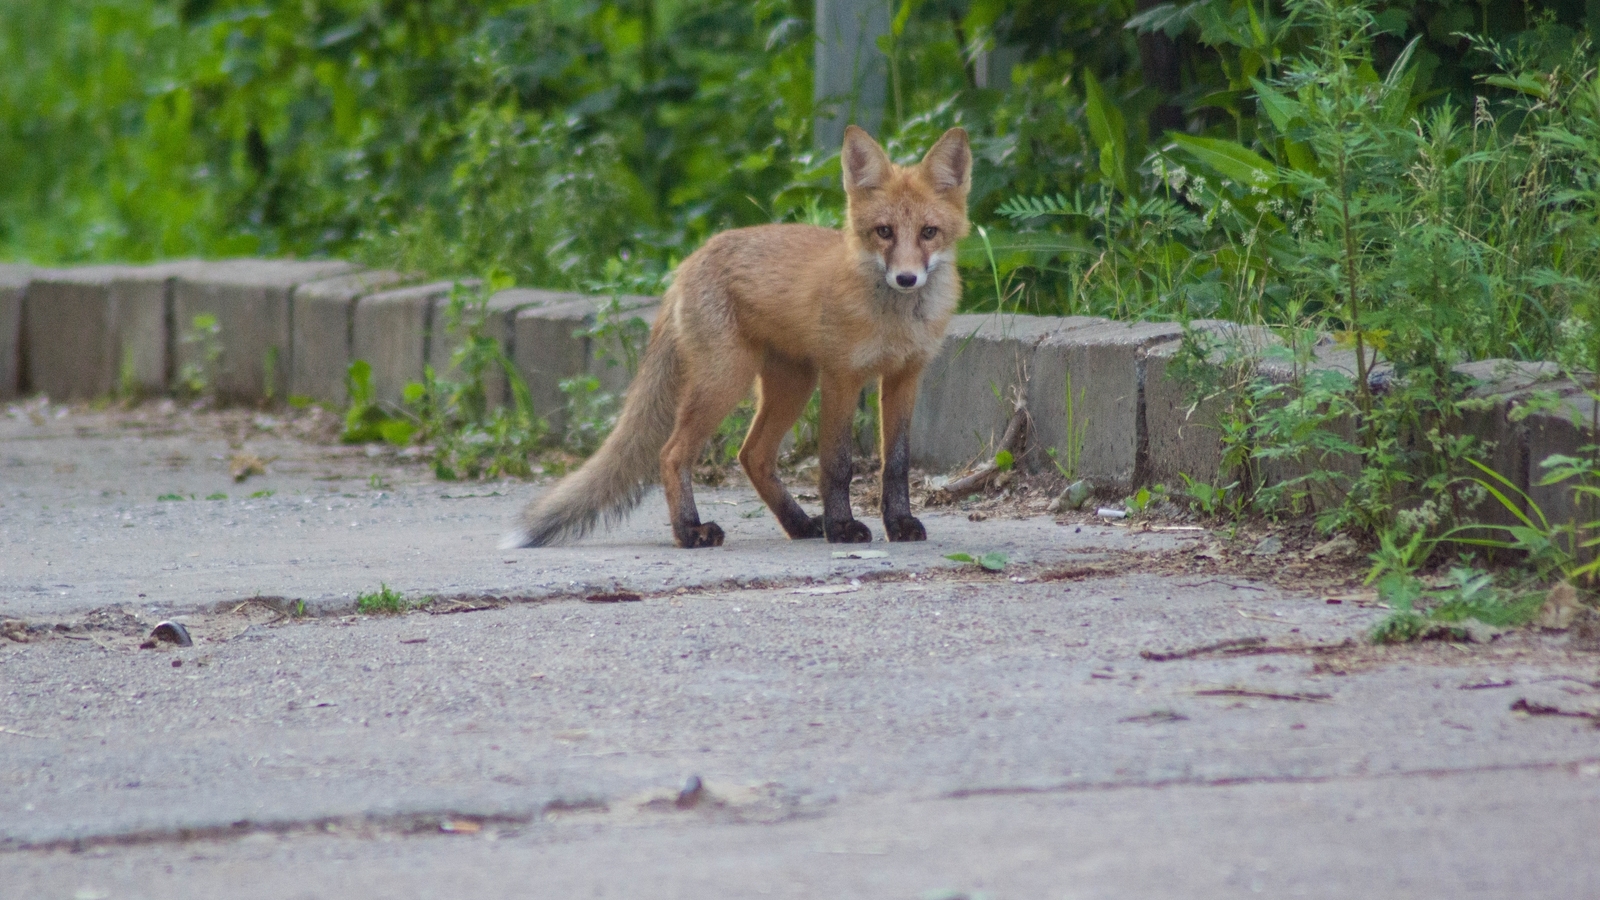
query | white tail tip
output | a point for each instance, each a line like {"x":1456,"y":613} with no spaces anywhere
{"x":514,"y":540}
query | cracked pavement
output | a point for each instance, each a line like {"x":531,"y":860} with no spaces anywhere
{"x":895,"y":726}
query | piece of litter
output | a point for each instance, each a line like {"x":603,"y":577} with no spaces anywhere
{"x":829,"y":589}
{"x":170,"y":633}
{"x":860,"y":554}
{"x":460,"y":826}
{"x":693,"y":790}
{"x":1106,"y":512}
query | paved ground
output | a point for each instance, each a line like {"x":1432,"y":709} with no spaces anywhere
{"x":884,"y":727}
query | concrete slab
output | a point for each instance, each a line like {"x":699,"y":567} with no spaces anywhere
{"x":964,"y":402}
{"x":251,"y":301}
{"x":391,"y":332}
{"x":1100,"y":367}
{"x":13,"y":283}
{"x":324,"y":332}
{"x":1183,"y":433}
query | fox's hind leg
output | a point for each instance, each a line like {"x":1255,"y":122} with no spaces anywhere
{"x":781,"y":396}
{"x":709,"y":393}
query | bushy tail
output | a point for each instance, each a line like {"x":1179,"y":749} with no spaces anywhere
{"x":611,"y":483}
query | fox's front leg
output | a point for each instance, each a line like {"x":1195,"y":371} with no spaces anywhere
{"x":896,"y":399}
{"x":839,"y":393}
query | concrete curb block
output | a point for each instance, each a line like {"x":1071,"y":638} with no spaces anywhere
{"x":1101,"y":366}
{"x":965,"y":399}
{"x":1183,"y":436}
{"x":323,"y":342}
{"x":550,"y":344}
{"x":1563,"y":430}
{"x":96,"y":330}
{"x":502,"y":309}
{"x":13,"y":284}
{"x":251,"y":302}
{"x":392,"y":330}
{"x":287,"y":327}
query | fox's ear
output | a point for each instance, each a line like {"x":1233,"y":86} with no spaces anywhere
{"x":866,"y":166}
{"x":949,"y":163}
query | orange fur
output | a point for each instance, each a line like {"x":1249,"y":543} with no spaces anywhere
{"x":788,"y":307}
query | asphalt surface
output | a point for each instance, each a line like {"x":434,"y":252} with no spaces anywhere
{"x":897,"y":726}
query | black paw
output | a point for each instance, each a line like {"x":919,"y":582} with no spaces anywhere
{"x":707,"y":535}
{"x":806,"y":528}
{"x":850,"y":531}
{"x":905,"y":528}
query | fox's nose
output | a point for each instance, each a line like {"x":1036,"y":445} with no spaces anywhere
{"x":906,"y":279}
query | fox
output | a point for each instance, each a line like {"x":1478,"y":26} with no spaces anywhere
{"x":790,"y":308}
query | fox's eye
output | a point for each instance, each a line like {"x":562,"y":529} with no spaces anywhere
{"x":884,"y":232}
{"x":929,"y":232}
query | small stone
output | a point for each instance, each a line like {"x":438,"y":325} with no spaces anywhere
{"x":1340,"y":546}
{"x":1480,"y":632}
{"x":1077,"y":494}
{"x":1268,"y":546}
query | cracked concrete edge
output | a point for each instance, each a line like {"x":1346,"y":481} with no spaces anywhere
{"x":87,"y":332}
{"x":335,"y":605}
{"x":404,"y":818}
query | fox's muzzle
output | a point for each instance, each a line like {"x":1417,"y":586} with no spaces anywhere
{"x":907,"y":279}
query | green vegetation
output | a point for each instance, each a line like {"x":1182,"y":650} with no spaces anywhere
{"x":197,"y":377}
{"x":385,"y":601}
{"x":472,"y":436}
{"x":1145,"y":165}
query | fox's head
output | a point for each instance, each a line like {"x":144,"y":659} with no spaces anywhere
{"x":906,"y":220}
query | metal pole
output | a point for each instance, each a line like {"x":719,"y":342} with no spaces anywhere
{"x":852,"y":77}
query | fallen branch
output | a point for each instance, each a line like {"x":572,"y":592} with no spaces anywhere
{"x":1532,"y":708}
{"x":1012,"y":441}
{"x":1262,"y":695}
{"x":1218,"y":647}
{"x":1254,"y":646}
{"x":1226,"y":584}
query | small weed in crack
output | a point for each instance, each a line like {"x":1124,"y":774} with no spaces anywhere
{"x":383,"y":602}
